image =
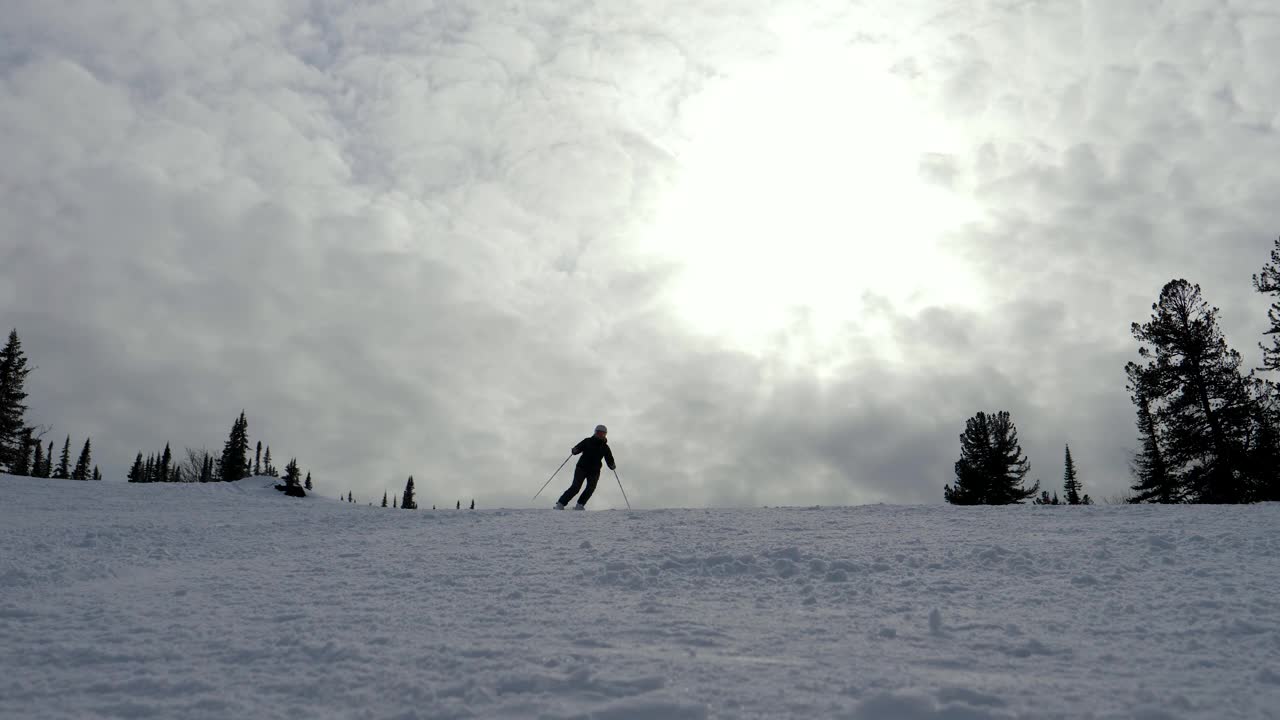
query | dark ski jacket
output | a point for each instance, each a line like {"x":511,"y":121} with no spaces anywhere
{"x":594,"y":449}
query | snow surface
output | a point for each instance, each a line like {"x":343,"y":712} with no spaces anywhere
{"x":232,"y":601}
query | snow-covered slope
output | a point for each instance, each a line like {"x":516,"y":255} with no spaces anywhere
{"x":224,"y":601}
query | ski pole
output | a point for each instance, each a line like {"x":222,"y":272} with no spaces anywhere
{"x":557,"y":472}
{"x":624,"y":492}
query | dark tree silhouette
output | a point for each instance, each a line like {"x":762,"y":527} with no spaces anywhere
{"x":307,"y":484}
{"x":292,"y":475}
{"x":22,"y":463}
{"x":384,"y":498}
{"x":407,"y":501}
{"x":83,"y":463}
{"x":14,"y":433}
{"x":137,"y":473}
{"x":164,"y":470}
{"x":235,"y":453}
{"x":37,"y":464}
{"x":1268,"y":282}
{"x":64,"y":462}
{"x":1070,"y":482}
{"x":991,"y":467}
{"x":1199,"y":402}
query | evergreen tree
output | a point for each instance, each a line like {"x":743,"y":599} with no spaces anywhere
{"x":458,"y":506}
{"x":1263,"y":451}
{"x":307,"y":485}
{"x":350,"y":498}
{"x":206,"y":470}
{"x":235,"y":453}
{"x":257,"y":460}
{"x":13,"y":395}
{"x":37,"y":465}
{"x":292,"y":475}
{"x":22,"y":466}
{"x":97,"y":473}
{"x":164,"y":469}
{"x":393,"y":502}
{"x":473,"y":503}
{"x":64,"y":463}
{"x":991,"y":467}
{"x":384,"y":498}
{"x":267,"y":468}
{"x":48,"y":462}
{"x":1070,"y":483}
{"x":1268,"y":282}
{"x":176,"y":475}
{"x":407,"y":501}
{"x":1045,"y":499}
{"x":82,"y":464}
{"x":136,"y":473}
{"x":1198,"y":400}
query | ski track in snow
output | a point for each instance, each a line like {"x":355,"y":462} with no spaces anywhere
{"x":230,"y":600}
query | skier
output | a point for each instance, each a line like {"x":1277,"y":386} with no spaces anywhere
{"x":593,"y":450}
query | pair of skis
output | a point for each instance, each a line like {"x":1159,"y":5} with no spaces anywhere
{"x":566,"y":462}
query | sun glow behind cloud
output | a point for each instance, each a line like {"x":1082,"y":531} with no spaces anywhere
{"x":799,"y":195}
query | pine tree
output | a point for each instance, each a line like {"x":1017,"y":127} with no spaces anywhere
{"x":206,"y":470}
{"x":1070,"y":483}
{"x":235,"y":453}
{"x":267,"y":468}
{"x":292,"y":475}
{"x":13,"y":408}
{"x":137,"y":472}
{"x":1199,"y":402}
{"x":384,"y":498}
{"x":307,"y":484}
{"x":257,"y":460}
{"x":473,"y":503}
{"x":82,"y":464}
{"x":164,"y":470}
{"x":37,"y":465}
{"x":64,"y":463}
{"x":991,"y":467}
{"x":1263,"y":450}
{"x":393,"y":502}
{"x":458,"y":506}
{"x":22,"y":466}
{"x":350,"y":498}
{"x":97,"y":473}
{"x":407,"y":501}
{"x":1268,"y":282}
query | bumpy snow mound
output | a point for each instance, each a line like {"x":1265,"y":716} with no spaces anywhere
{"x":232,"y":600}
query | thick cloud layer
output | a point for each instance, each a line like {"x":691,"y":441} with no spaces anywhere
{"x":446,"y":239}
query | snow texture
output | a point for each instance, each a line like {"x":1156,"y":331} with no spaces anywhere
{"x":230,"y":600}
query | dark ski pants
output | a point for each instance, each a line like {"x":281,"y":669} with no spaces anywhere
{"x":592,"y":476}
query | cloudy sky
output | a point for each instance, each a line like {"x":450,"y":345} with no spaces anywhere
{"x":783,"y":249}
